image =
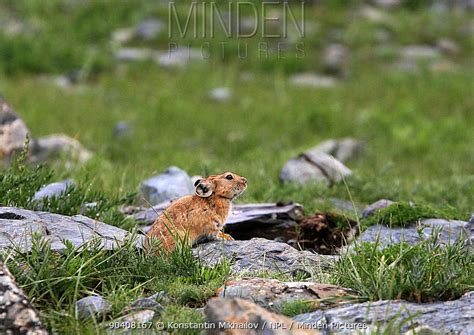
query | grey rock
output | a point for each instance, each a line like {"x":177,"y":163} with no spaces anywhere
{"x":64,"y":82}
{"x":145,"y":30}
{"x":373,"y":14}
{"x":334,"y":34}
{"x":70,"y":79}
{"x":147,"y":303}
{"x":17,"y":315}
{"x":375,"y":207}
{"x":179,"y":57}
{"x":57,"y":145}
{"x":272,"y":294}
{"x":419,"y":52}
{"x":172,"y":184}
{"x":471,"y":233}
{"x":140,"y":318}
{"x":408,"y":66}
{"x":387,"y":3}
{"x":343,"y":205}
{"x":87,"y":206}
{"x":124,"y":35}
{"x":314,"y":165}
{"x":342,"y":149}
{"x":149,"y":29}
{"x":312,"y":80}
{"x":382,"y":35}
{"x":335,"y":58}
{"x":17,"y":226}
{"x":200,"y":310}
{"x":450,"y":232}
{"x":260,"y":255}
{"x":11,"y":26}
{"x":459,"y":5}
{"x":122,"y":129}
{"x":13,"y":132}
{"x":247,"y":25}
{"x":446,"y":317}
{"x":162,"y":297}
{"x":243,"y":314}
{"x":53,"y":190}
{"x":92,"y":305}
{"x":220,"y":94}
{"x":133,"y":54}
{"x":448,"y":46}
{"x":146,"y":315}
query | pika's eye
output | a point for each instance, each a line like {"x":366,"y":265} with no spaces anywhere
{"x":229,"y":177}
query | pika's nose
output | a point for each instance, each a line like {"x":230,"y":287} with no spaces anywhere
{"x":245,"y":180}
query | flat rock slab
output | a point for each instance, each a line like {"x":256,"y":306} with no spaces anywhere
{"x":17,"y":226}
{"x":17,"y":316}
{"x":241,"y":317}
{"x":272,"y":294}
{"x":446,"y":317}
{"x":450,"y":231}
{"x":260,"y":255}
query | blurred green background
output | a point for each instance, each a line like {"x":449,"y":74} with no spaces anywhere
{"x":402,"y":84}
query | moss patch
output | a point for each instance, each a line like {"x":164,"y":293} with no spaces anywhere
{"x":401,"y":214}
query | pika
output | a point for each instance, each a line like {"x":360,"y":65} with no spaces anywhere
{"x":201,"y":216}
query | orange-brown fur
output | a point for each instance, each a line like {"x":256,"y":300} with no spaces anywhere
{"x":200,"y":216}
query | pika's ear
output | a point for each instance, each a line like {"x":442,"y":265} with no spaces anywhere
{"x":204,"y":189}
{"x":196,"y":183}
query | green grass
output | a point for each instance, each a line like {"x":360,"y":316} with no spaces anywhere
{"x":296,"y":307}
{"x":425,"y":272}
{"x":56,"y":281}
{"x":401,"y":214}
{"x":416,"y":127}
{"x":177,"y":125}
{"x":19,"y":183}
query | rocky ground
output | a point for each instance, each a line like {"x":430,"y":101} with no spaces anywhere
{"x":247,"y":301}
{"x":358,"y":217}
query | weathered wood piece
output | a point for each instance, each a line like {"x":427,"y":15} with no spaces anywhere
{"x":17,"y":316}
{"x":246,"y":217}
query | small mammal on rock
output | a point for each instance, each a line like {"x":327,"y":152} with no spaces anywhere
{"x":201,"y":216}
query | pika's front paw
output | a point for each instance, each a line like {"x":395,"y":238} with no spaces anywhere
{"x":224,"y":236}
